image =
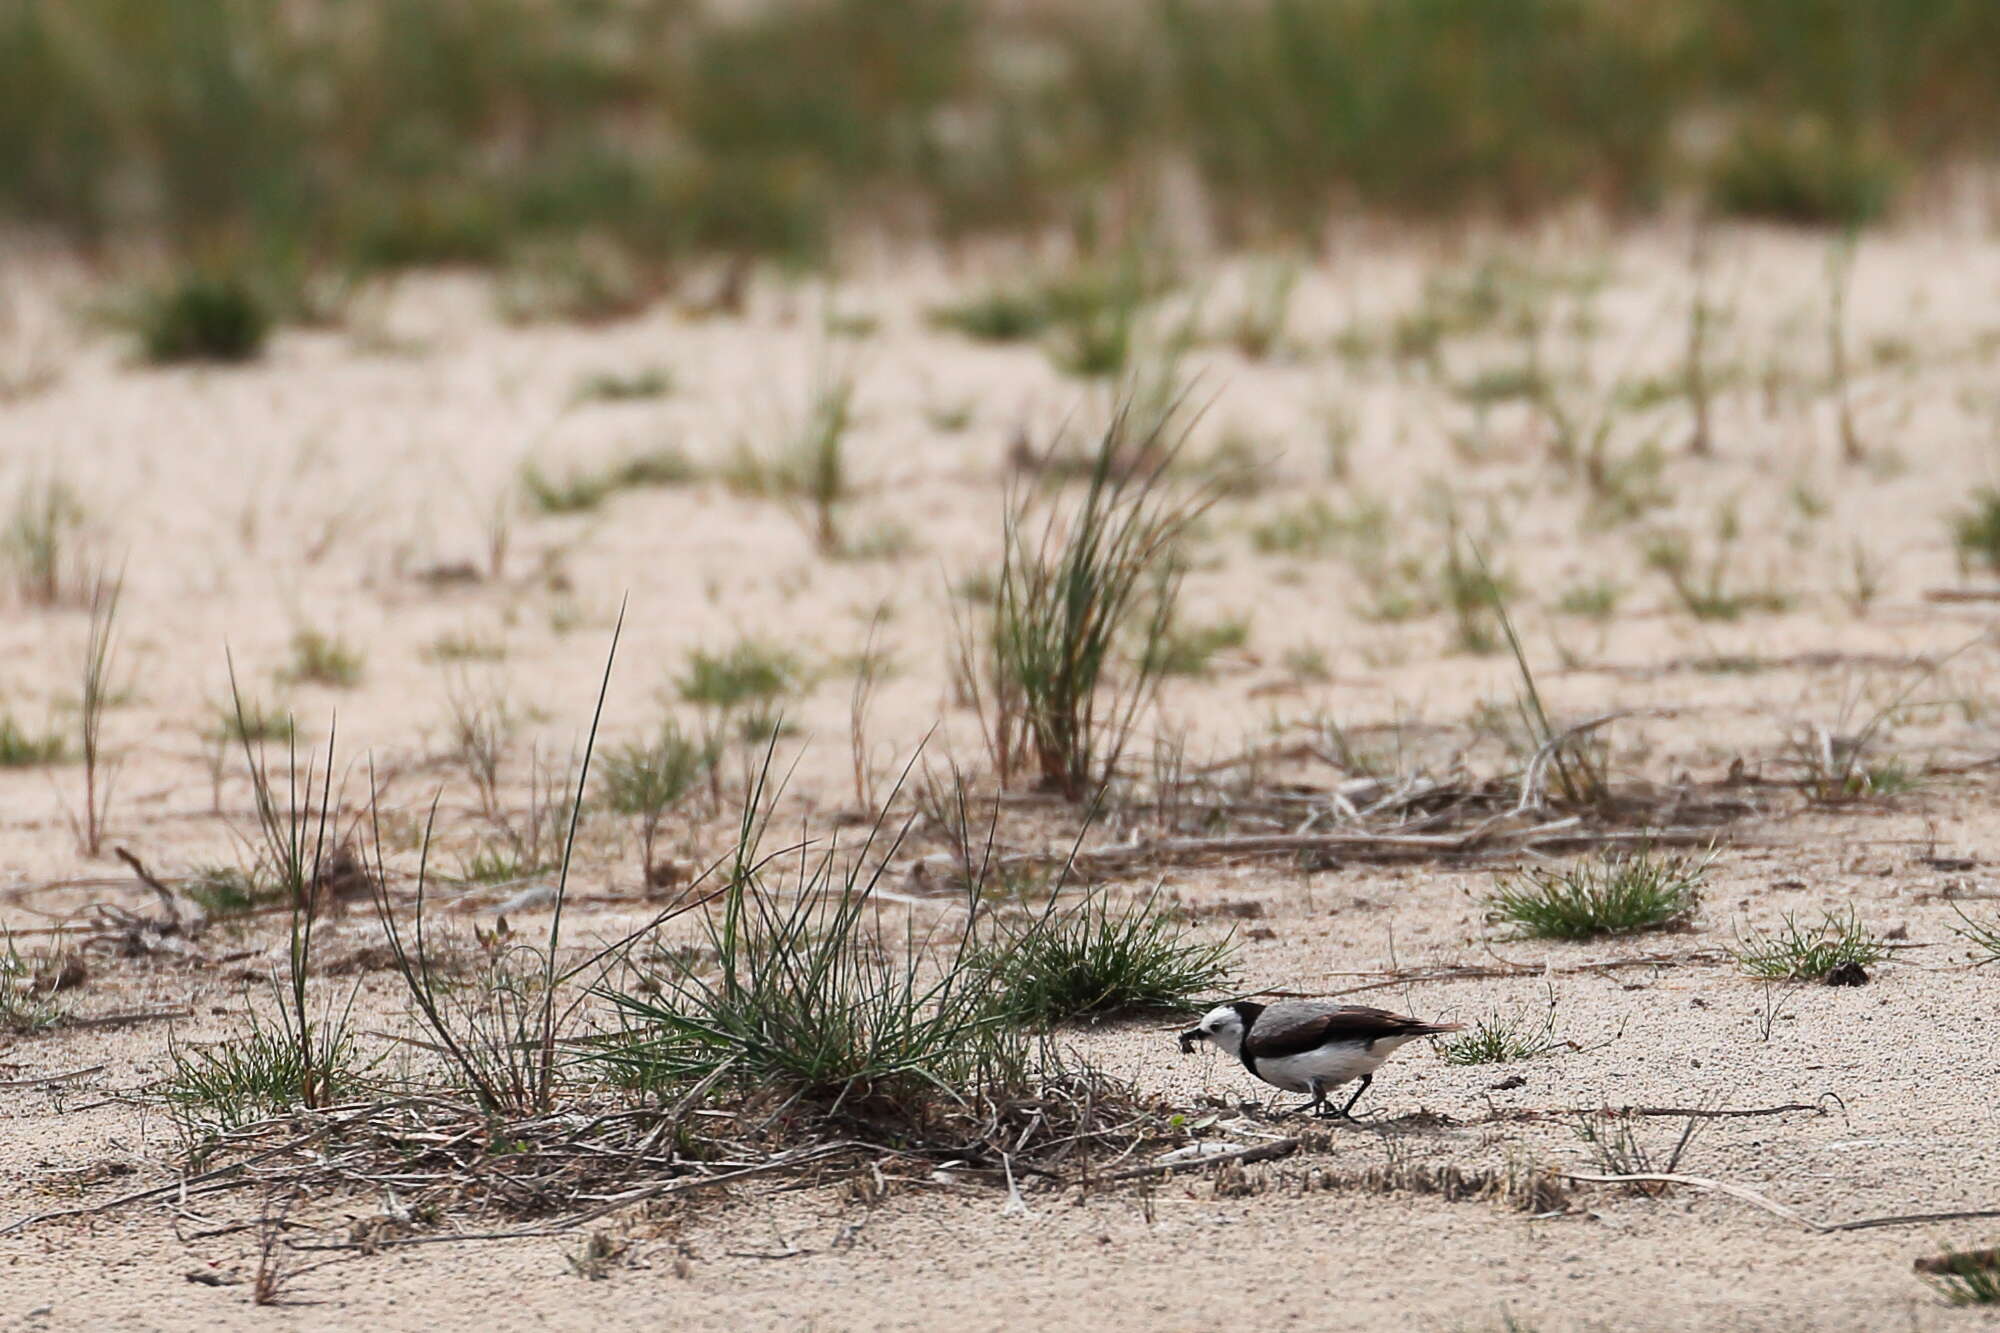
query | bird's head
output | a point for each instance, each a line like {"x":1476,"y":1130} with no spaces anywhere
{"x":1224,"y":1025}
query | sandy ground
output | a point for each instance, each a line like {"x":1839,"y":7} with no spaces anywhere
{"x":313,"y":490}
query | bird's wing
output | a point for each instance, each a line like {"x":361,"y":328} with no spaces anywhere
{"x":1296,"y":1027}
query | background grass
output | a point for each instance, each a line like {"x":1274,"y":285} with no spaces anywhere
{"x":387,"y":133}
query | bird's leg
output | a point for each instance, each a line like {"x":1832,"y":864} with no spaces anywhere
{"x":1317,"y":1105}
{"x":1345,"y":1112}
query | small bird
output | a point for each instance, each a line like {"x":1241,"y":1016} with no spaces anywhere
{"x":1306,"y":1046}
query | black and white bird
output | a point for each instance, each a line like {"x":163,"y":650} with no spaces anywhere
{"x":1306,"y":1046}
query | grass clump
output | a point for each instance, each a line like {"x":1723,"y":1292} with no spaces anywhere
{"x":223,"y":891}
{"x":21,"y":748}
{"x":809,"y":1000}
{"x":230,"y":1084}
{"x":41,"y":539}
{"x":202,"y":317}
{"x":1965,"y":1279}
{"x":1976,"y":531}
{"x":1095,"y":961}
{"x":251,"y":720}
{"x":574,"y":492}
{"x":646,"y":779}
{"x":1317,"y":528}
{"x":1190,"y":650}
{"x":1095,"y":578}
{"x":502,"y":862}
{"x":748,"y":674}
{"x":1802,"y":173}
{"x":612,"y":386}
{"x":1983,"y":936}
{"x":667,"y":465}
{"x":809,"y":470}
{"x":1502,"y":1038}
{"x":1609,"y":895}
{"x":999,"y":315}
{"x":1796,"y":953}
{"x":323,"y":659}
{"x":25,"y":1008}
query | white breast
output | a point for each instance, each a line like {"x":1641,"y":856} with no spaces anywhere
{"x":1332,"y":1064}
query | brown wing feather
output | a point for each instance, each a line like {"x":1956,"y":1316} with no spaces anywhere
{"x":1293,"y":1027}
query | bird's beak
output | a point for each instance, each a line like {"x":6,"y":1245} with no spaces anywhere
{"x":1189,"y":1038}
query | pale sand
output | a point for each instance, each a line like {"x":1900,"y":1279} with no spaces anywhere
{"x":244,"y":504}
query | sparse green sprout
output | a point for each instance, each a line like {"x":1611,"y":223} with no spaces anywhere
{"x":230,"y":1084}
{"x":1317,"y":528}
{"x":575,"y":492}
{"x":20,"y":748}
{"x":1802,"y":171}
{"x":1258,"y":329}
{"x":202,"y":317}
{"x":1796,"y":953}
{"x":1472,"y":593}
{"x":1190,"y":650}
{"x":501,"y":863}
{"x":1502,"y":1038}
{"x":1606,"y":895}
{"x":1307,"y":662}
{"x":1983,"y":936}
{"x":810,"y":469}
{"x":1976,"y":531}
{"x":749,"y":673}
{"x":611,"y":386}
{"x":225,"y":891}
{"x":591,"y":281}
{"x":465,"y":646}
{"x":1094,"y":315}
{"x":249,"y":719}
{"x":1704,"y":588}
{"x":665,"y":466}
{"x":998,"y":315}
{"x":25,"y":1006}
{"x":1597,"y":600}
{"x":1094,"y":579}
{"x":41,"y":538}
{"x":648,"y":779}
{"x":1094,"y":961}
{"x":583,"y":491}
{"x":1502,"y":384}
{"x":323,"y":659}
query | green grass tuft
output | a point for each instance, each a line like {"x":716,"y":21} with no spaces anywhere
{"x":323,"y":659}
{"x":1965,"y":1279}
{"x":1190,"y":650}
{"x":648,"y":779}
{"x":230,"y":1084}
{"x":223,"y":891}
{"x":1976,"y":531}
{"x":1794,"y":953}
{"x":612,"y":386}
{"x":809,"y":999}
{"x":1610,"y":895}
{"x":1102,"y":576}
{"x":202,"y":317}
{"x":20,"y":748}
{"x":24,"y":1008}
{"x":748,"y":674}
{"x":1094,"y":961}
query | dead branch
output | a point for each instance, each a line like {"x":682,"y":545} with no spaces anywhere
{"x":1777,"y":1209}
{"x":1262,"y":1152}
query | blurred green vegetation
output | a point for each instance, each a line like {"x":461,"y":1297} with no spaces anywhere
{"x":375,"y":134}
